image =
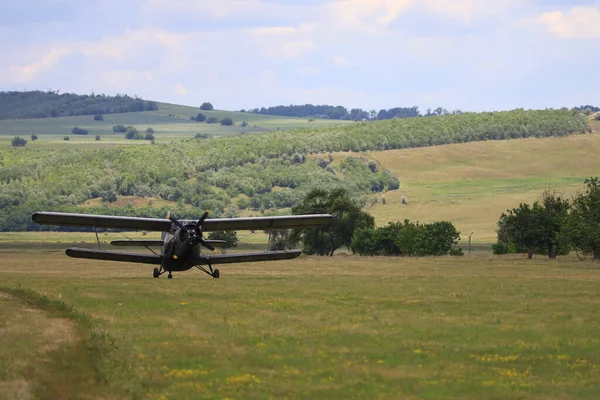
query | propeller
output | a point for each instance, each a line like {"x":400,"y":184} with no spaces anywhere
{"x":193,"y":235}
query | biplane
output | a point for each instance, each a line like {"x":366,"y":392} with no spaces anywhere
{"x":182,"y":241}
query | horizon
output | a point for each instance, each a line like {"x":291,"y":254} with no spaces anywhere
{"x":368,"y":54}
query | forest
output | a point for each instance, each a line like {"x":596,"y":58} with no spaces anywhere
{"x":256,"y":172}
{"x":39,"y":104}
{"x":355,"y":114}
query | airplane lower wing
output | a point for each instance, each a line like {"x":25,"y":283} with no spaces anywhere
{"x":114,"y":256}
{"x":247,"y":257}
{"x":158,"y":242}
{"x":200,"y":260}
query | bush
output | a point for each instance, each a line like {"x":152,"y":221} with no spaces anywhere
{"x":97,"y":137}
{"x":98,"y":117}
{"x":149,"y":136}
{"x":200,"y":117}
{"x":119,"y":128}
{"x":597,"y":118}
{"x":206,"y":106}
{"x":244,"y":123}
{"x":227,"y":122}
{"x":79,"y":131}
{"x":18,"y":142}
{"x":504,"y":248}
{"x":202,"y":136}
{"x":66,"y":138}
{"x":34,"y":137}
{"x":212,"y":120}
{"x":230,"y":237}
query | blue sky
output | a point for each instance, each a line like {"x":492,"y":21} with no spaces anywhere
{"x":467,"y":54}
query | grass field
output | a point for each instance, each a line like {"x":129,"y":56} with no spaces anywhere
{"x":341,"y":327}
{"x":471,"y":184}
{"x":170,"y":122}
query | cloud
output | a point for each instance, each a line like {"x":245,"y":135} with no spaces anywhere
{"x":368,"y":15}
{"x":180,"y":89}
{"x":340,"y":61}
{"x":578,"y":23}
{"x":274,"y":30}
{"x":27,"y":72}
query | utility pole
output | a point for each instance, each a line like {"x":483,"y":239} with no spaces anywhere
{"x":470,"y":242}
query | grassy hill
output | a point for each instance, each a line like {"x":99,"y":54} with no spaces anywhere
{"x":471,"y":184}
{"x":170,"y":122}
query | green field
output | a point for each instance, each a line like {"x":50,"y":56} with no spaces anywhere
{"x":471,"y":184}
{"x":336,"y":328}
{"x":169,"y":121}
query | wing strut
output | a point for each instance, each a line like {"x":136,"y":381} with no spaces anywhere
{"x":97,"y":238}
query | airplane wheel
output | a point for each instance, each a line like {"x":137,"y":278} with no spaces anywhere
{"x":216,"y":274}
{"x":170,"y":276}
{"x":155,"y":273}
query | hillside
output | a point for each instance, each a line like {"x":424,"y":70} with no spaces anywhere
{"x":38,"y":104}
{"x":170,"y":122}
{"x":255,"y":173}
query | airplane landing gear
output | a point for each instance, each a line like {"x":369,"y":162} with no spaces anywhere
{"x":214,"y":273}
{"x":156,"y":273}
{"x":170,"y":276}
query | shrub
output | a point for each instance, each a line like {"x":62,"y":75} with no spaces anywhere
{"x":212,"y":120}
{"x":504,"y":248}
{"x":597,"y":117}
{"x":97,"y":137}
{"x":227,"y":121}
{"x":244,"y":123}
{"x":149,"y":136}
{"x":119,"y":128}
{"x":206,"y":106}
{"x":66,"y":138}
{"x":79,"y":131}
{"x":202,"y":136}
{"x":18,"y":142}
{"x":98,"y":117}
{"x":34,"y":137}
{"x":200,"y":117}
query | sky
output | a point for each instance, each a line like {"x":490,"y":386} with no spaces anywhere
{"x":472,"y":55}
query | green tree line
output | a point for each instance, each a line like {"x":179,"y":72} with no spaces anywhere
{"x":554,"y":225}
{"x":39,"y":104}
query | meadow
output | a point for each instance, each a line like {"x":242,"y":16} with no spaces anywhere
{"x":342,"y":327}
{"x":472,"y":184}
{"x":170,"y":121}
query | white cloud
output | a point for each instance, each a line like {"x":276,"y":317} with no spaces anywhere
{"x":274,"y":30}
{"x":368,"y":15}
{"x":340,"y":61}
{"x":27,"y":72}
{"x":578,"y":23}
{"x":181,"y":90}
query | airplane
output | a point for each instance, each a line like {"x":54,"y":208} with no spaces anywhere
{"x":182,"y":241}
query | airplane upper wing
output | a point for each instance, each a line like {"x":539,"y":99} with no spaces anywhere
{"x":102,"y":221}
{"x":164,"y":225}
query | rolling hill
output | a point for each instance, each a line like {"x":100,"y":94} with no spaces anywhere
{"x":170,"y":122}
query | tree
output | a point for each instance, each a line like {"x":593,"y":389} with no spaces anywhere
{"x":200,"y":117}
{"x":98,"y":117}
{"x":98,"y":137}
{"x":227,"y":121}
{"x":230,"y":237}
{"x":584,"y":221}
{"x":338,"y":232}
{"x":282,"y":239}
{"x":206,"y":106}
{"x":34,"y":137}
{"x":540,"y":228}
{"x":18,"y":142}
{"x":119,"y":128}
{"x":519,"y":226}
